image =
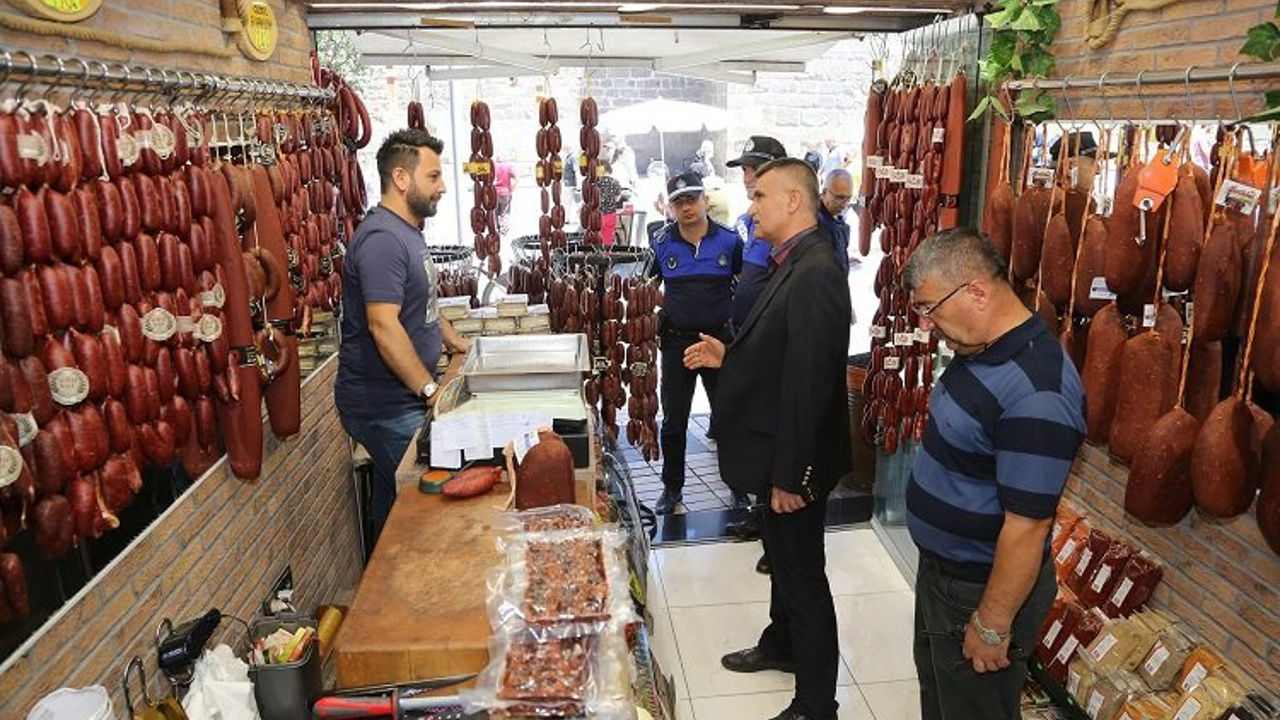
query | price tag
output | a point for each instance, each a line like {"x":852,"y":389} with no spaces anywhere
{"x":477,"y":168}
{"x":537,"y":171}
{"x":1239,"y":197}
{"x":1083,"y":563}
{"x":903,"y":338}
{"x":874,"y":161}
{"x":27,"y":428}
{"x":33,"y":147}
{"x":939,"y":135}
{"x":217,"y":297}
{"x":163,"y":140}
{"x":10,"y":465}
{"x":525,"y":443}
{"x":1040,"y":176}
{"x":922,"y":335}
{"x":899,"y":175}
{"x":1095,"y":703}
{"x":1098,"y":290}
{"x":159,"y":324}
{"x":1075,"y":177}
{"x":1073,"y":683}
{"x":1068,"y":548}
{"x":1068,"y":649}
{"x":1052,"y":635}
{"x":1189,"y":709}
{"x":1155,"y":661}
{"x":1190,"y":309}
{"x":884,"y":172}
{"x":915,"y":182}
{"x":893,"y":362}
{"x":1194,"y":678}
{"x":878,"y":331}
{"x":1148,"y":315}
{"x":1122,"y":592}
{"x":1103,"y":647}
{"x":69,"y":386}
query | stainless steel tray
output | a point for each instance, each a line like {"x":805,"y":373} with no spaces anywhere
{"x":526,"y":362}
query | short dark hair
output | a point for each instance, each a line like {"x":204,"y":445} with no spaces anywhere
{"x":400,"y":150}
{"x":799,"y":171}
{"x":957,"y":255}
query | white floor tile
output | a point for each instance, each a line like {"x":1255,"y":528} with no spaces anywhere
{"x":893,"y":700}
{"x":684,"y":710}
{"x":667,"y":651}
{"x":862,"y":541}
{"x":705,"y":633}
{"x":875,"y":635}
{"x":856,"y":573}
{"x":657,"y":596}
{"x":715,"y":574}
{"x":766,"y":705}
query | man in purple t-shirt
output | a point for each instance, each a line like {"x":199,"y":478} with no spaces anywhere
{"x":391,"y":326}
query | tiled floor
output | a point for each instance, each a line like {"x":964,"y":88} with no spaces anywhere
{"x":707,"y":600}
{"x":703,"y":488}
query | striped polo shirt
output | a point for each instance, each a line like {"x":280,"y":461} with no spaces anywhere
{"x":1004,"y":427}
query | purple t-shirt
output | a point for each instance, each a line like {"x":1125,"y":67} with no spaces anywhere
{"x":386,"y":262}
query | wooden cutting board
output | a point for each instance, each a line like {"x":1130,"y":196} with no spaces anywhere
{"x":420,"y":609}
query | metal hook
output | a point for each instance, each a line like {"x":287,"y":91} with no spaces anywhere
{"x":1186,"y":85}
{"x":1231,"y":83}
{"x":1066,"y":100}
{"x":1142,"y":96}
{"x":31,"y":74}
{"x":1106,"y":101}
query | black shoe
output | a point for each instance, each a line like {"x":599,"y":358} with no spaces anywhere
{"x":740,"y":500}
{"x":668,"y":501}
{"x":747,"y":529}
{"x":793,"y":714}
{"x":752,"y":660}
{"x":762,"y":565}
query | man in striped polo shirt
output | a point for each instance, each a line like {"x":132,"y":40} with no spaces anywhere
{"x":1005,"y":422}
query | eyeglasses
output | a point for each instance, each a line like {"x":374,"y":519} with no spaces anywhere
{"x":927,"y":311}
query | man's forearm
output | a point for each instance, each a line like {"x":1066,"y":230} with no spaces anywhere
{"x":398,"y":353}
{"x":452,"y":338}
{"x":1019,"y":554}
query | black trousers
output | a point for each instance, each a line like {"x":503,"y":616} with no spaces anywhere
{"x":949,"y":687}
{"x":802,"y":614}
{"x":677,"y":387}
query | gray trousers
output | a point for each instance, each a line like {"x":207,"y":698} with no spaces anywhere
{"x":949,"y":687}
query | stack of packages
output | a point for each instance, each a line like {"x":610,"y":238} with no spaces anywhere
{"x":1119,"y":660}
{"x":509,"y":315}
{"x":560,"y":607}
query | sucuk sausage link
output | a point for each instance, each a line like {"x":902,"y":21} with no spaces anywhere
{"x":85,"y":123}
{"x":12,"y":172}
{"x":119,"y":427}
{"x":114,"y":362}
{"x":71,"y":156}
{"x":130,"y":210}
{"x":56,"y":463}
{"x":93,"y":444}
{"x":184,"y":364}
{"x":33,"y":221}
{"x":64,"y":231}
{"x":131,"y":338}
{"x":97,"y":312}
{"x":37,"y":380}
{"x":182,"y":205}
{"x":177,"y":414}
{"x":151,"y":392}
{"x":135,"y":395}
{"x":11,"y":250}
{"x":111,"y":278}
{"x":88,"y":222}
{"x":168,"y":206}
{"x":166,"y":381}
{"x":158,"y":442}
{"x":110,"y":208}
{"x":19,"y":341}
{"x":82,"y":301}
{"x":148,"y":262}
{"x":149,"y":203}
{"x":167,"y":247}
{"x":203,"y":371}
{"x":55,"y":290}
{"x":198,"y":244}
{"x":91,"y":360}
{"x":130,"y":275}
{"x":186,"y":270}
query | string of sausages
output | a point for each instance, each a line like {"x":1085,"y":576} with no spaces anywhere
{"x":484,"y":211}
{"x":589,"y":215}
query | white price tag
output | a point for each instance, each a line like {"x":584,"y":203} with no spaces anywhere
{"x":1190,"y":709}
{"x":159,"y":324}
{"x":899,"y":175}
{"x":1194,"y":678}
{"x":1122,"y":592}
{"x":524,"y":443}
{"x":884,"y":172}
{"x":1100,"y":579}
{"x":1052,"y":635}
{"x":1095,"y":703}
{"x":27,"y":428}
{"x":878,"y":331}
{"x":217,"y":297}
{"x":33,"y":147}
{"x":1148,"y":315}
{"x":1083,"y":564}
{"x":69,"y":386}
{"x":10,"y":465}
{"x":1104,"y":646}
{"x":1073,"y":683}
{"x":922,"y":335}
{"x":1067,"y":548}
{"x":939,"y":135}
{"x":1156,"y":659}
{"x":1075,"y":177}
{"x":1190,"y":309}
{"x":208,"y":329}
{"x":893,"y":362}
{"x":874,"y":161}
{"x":1098,"y":290}
{"x":903,"y":338}
{"x":1273,"y":204}
{"x":1238,"y":196}
{"x":1068,"y":650}
{"x":1040,"y":176}
{"x":915,"y":182}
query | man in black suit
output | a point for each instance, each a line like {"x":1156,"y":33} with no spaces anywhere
{"x":783,"y":431}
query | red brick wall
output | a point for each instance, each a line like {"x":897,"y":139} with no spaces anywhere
{"x":194,"y":21}
{"x":221,"y":545}
{"x":1219,"y":577}
{"x":1205,"y":33}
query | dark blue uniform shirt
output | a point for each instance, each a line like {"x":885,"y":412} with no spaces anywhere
{"x":838,"y":230}
{"x":698,"y":282}
{"x":755,"y":270}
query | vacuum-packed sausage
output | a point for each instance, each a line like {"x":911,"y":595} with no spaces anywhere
{"x":1147,"y":391}
{"x":1186,"y":235}
{"x":1124,"y":255}
{"x":1057,"y":261}
{"x":1217,"y":285}
{"x":93,"y":445}
{"x":64,"y":230}
{"x":1158,"y":491}
{"x":1101,"y":376}
{"x":1224,"y":471}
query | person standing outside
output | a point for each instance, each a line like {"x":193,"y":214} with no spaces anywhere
{"x":758,"y":150}
{"x":391,"y":327}
{"x":837,"y":191}
{"x":784,"y":431}
{"x":696,"y":259}
{"x":504,"y":178}
{"x":1006,"y":419}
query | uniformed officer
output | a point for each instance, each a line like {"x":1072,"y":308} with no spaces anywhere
{"x":697,"y":259}
{"x":759,"y":150}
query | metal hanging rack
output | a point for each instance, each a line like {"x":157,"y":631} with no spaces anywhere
{"x":54,"y":70}
{"x":1239,"y":71}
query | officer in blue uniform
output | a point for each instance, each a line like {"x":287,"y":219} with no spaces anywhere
{"x":759,"y":150}
{"x":697,"y":260}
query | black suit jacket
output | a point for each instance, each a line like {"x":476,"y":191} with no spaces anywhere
{"x":781,"y":414}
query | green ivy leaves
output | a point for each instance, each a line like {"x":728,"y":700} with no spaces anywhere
{"x":1263,"y":43}
{"x":1023,"y":34}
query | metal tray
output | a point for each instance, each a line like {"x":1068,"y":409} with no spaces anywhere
{"x":526,"y":362}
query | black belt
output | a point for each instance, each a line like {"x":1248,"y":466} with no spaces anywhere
{"x":963,"y":571}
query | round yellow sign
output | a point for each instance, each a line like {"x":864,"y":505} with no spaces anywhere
{"x":60,"y":10}
{"x":260,"y":30}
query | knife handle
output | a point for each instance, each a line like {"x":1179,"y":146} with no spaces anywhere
{"x":341,"y":708}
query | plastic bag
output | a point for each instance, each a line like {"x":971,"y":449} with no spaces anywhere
{"x":551,"y":518}
{"x":220,"y":688}
{"x":566,"y":582}
{"x":530,"y":676}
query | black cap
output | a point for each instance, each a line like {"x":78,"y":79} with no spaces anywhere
{"x":1088,"y":147}
{"x":684,"y":184}
{"x":759,"y":150}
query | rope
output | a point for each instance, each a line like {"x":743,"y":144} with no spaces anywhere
{"x":33,"y":26}
{"x":1257,"y":296}
{"x":1084,"y":222}
{"x":1053,"y":191}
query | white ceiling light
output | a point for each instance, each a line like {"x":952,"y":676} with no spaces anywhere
{"x":638,"y":7}
{"x":843,"y":9}
{"x":855,"y":9}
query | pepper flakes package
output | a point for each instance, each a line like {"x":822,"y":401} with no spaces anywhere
{"x":568,"y":677}
{"x":1063,"y":524}
{"x":1088,"y":627}
{"x":1061,"y":623}
{"x":1095,"y":547}
{"x":1066,"y":556}
{"x":1138,"y":579}
{"x":1105,"y":574}
{"x":546,"y":519}
{"x":570,"y":580}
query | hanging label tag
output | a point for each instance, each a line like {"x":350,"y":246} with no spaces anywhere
{"x":878,"y":331}
{"x":208,"y":329}
{"x":477,"y":168}
{"x":163,"y":141}
{"x":1190,"y":309}
{"x":186,"y":324}
{"x":939,"y":135}
{"x":69,"y":386}
{"x":884,"y":172}
{"x":899,"y":175}
{"x":1098,"y":290}
{"x":524,"y":443}
{"x":902,"y":339}
{"x":922,"y":335}
{"x":27,"y":428}
{"x":33,"y":147}
{"x":1075,"y":177}
{"x":10,"y":465}
{"x":915,"y":182}
{"x":1148,"y":315}
{"x":159,"y":324}
{"x":110,"y":330}
{"x":1273,"y":205}
{"x":1238,"y":196}
{"x":216,"y":298}
{"x":128,"y":150}
{"x":1040,"y":176}
{"x":893,"y":362}
{"x":874,"y":161}
{"x":537,"y":171}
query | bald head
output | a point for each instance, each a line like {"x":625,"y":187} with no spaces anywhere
{"x":953,"y":257}
{"x":837,"y":191}
{"x":785,"y":201}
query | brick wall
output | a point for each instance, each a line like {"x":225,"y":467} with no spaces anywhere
{"x":221,"y":545}
{"x":1219,"y":577}
{"x":196,"y":21}
{"x":1205,"y":33}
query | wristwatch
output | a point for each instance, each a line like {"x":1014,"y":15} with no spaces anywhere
{"x":428,"y":390}
{"x":986,"y":634}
